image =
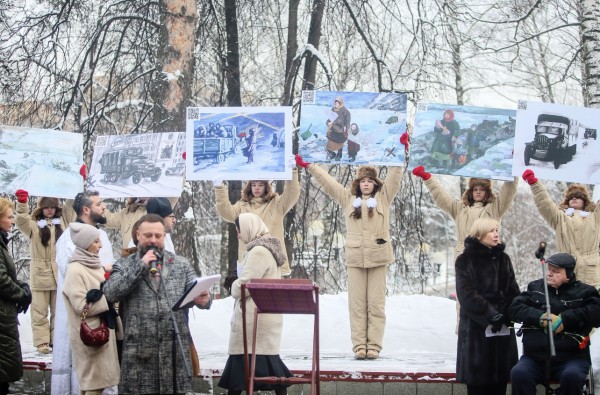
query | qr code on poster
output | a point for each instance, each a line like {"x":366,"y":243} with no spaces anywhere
{"x":522,"y":105}
{"x":308,"y":97}
{"x":101,"y":141}
{"x":421,"y":107}
{"x":193,"y":113}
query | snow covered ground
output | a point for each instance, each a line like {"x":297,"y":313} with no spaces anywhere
{"x":419,"y":337}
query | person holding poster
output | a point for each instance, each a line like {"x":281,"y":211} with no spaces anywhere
{"x":43,"y":227}
{"x":446,"y":131}
{"x":259,"y":198}
{"x":263,"y":260}
{"x":368,"y":250}
{"x":576,"y":221}
{"x":338,"y":126}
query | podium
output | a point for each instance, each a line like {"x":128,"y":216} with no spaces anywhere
{"x":286,"y":296}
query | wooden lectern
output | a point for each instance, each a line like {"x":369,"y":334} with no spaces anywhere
{"x":287,"y":296}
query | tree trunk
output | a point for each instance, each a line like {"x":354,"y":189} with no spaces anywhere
{"x":171,"y":91}
{"x":590,"y":50}
{"x":314,"y":36}
{"x":292,"y":49}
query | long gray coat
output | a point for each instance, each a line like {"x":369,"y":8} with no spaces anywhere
{"x":146,"y":361}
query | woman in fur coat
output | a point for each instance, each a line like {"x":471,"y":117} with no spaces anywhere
{"x":576,"y":221}
{"x":263,"y":259}
{"x":485,"y":288}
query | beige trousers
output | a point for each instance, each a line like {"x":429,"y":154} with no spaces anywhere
{"x":93,"y":392}
{"x":42,"y":328}
{"x":366,"y":304}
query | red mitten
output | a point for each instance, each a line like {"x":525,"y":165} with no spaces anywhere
{"x":529,"y":177}
{"x":183,"y":155}
{"x":83,"y":171}
{"x":22,"y":195}
{"x":419,"y":171}
{"x":404,"y":140}
{"x":300,"y":162}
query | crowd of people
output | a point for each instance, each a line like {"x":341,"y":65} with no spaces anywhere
{"x":109,"y":322}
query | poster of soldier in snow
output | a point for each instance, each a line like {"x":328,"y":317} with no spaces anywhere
{"x":352,"y":127}
{"x":239,"y":143}
{"x":138,"y":165}
{"x":463,"y":140}
{"x":558,"y":142}
{"x":41,"y":161}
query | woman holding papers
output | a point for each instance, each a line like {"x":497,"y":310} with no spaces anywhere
{"x":485,"y":287}
{"x":264,"y":258}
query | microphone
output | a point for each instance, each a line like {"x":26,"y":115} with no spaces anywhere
{"x":155,"y":264}
{"x":539,"y":253}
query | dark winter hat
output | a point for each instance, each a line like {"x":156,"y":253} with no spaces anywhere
{"x":562,"y":259}
{"x":46,"y":202}
{"x":159,"y":206}
{"x":83,"y":235}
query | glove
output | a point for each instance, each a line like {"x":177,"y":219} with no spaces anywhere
{"x":496,"y":322}
{"x":25,"y":300}
{"x":228,"y":282}
{"x":110,"y":316}
{"x":83,"y":171}
{"x":217,"y":182}
{"x":93,"y":295}
{"x":22,"y":195}
{"x":404,"y":140}
{"x":300,"y":162}
{"x":183,"y":155}
{"x":419,"y":171}
{"x":557,"y":325}
{"x":529,"y":177}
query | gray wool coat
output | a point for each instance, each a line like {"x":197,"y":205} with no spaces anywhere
{"x":146,"y":361}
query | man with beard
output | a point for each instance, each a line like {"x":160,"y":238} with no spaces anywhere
{"x":90,"y":210}
{"x":148,"y":365}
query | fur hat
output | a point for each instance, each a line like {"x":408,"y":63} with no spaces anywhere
{"x":365,"y":171}
{"x":580,"y":191}
{"x":467,"y":197}
{"x":83,"y":235}
{"x":562,"y":259}
{"x":159,"y":206}
{"x":46,"y":202}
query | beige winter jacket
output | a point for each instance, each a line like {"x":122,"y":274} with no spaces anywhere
{"x":575,"y":234}
{"x":362,"y":248}
{"x":96,"y":367}
{"x":43,"y":269}
{"x":272,"y":212}
{"x":464,"y":215}
{"x":258,"y":263}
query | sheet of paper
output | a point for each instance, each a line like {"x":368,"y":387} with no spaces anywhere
{"x":504,"y":331}
{"x":201,"y":284}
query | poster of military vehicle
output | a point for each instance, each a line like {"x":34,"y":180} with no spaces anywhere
{"x":239,"y":143}
{"x":352,"y":127}
{"x":138,"y":165}
{"x":463,"y":140}
{"x":558,"y":142}
{"x":41,"y":161}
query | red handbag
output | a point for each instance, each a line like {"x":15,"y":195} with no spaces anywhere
{"x":93,"y":337}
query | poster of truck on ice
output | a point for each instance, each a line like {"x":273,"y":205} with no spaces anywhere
{"x":557,"y":142}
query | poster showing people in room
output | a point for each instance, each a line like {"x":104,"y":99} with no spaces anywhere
{"x":138,"y":165}
{"x":41,"y":161}
{"x":558,"y":142}
{"x":352,"y":127}
{"x":463,"y":140}
{"x":239,"y":143}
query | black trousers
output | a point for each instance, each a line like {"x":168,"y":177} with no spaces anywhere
{"x":487,"y":389}
{"x":571,"y":375}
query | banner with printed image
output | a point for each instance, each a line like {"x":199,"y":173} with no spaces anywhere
{"x":463,"y":140}
{"x":352,"y":127}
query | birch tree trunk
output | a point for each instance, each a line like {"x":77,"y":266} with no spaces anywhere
{"x":590,"y":49}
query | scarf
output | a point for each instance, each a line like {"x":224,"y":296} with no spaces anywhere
{"x":86,"y":258}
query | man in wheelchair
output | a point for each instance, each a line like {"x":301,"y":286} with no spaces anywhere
{"x":575,"y":310}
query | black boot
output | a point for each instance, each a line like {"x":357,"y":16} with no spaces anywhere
{"x":281,"y":391}
{"x":338,"y":156}
{"x":330,"y":154}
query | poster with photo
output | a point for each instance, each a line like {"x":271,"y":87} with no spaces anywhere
{"x":138,"y":165}
{"x":463,"y":140}
{"x":43,"y":162}
{"x":239,"y":143}
{"x":558,"y":142}
{"x":352,"y":127}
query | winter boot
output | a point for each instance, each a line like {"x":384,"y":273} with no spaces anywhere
{"x":330,"y":154}
{"x":338,"y":156}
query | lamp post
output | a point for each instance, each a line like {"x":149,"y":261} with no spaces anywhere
{"x":315,"y":229}
{"x":337,"y":242}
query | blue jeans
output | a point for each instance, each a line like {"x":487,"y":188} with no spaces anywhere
{"x":527,"y":373}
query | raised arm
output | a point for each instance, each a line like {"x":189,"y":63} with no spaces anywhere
{"x":225,"y":209}
{"x":506,"y":196}
{"x":442,"y":198}
{"x":23,"y":220}
{"x":391,"y":184}
{"x":333,"y":188}
{"x":291,"y":192}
